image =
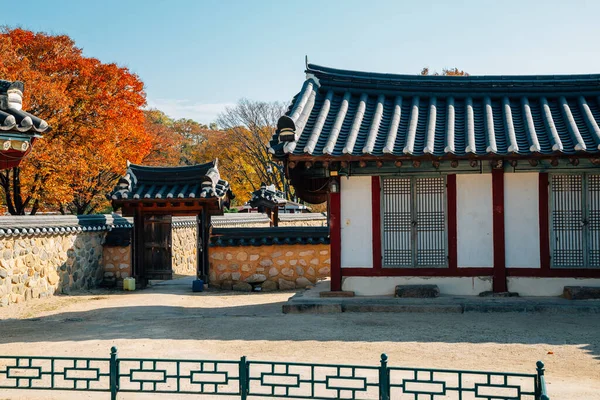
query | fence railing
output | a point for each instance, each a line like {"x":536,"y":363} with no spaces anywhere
{"x":256,"y":379}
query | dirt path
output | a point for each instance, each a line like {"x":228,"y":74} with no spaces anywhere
{"x":169,"y":321}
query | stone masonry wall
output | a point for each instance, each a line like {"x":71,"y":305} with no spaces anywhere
{"x":282,"y":267}
{"x":33,"y":267}
{"x":184,"y":250}
{"x":117,"y":263}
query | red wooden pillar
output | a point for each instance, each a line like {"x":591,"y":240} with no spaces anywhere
{"x":452,"y":223}
{"x":335,"y":239}
{"x":376,"y":220}
{"x":544,"y":222}
{"x":498,"y":229}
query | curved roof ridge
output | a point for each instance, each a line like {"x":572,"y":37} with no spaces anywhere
{"x":323,"y":71}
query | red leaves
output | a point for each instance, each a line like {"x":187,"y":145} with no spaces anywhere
{"x":94,"y":110}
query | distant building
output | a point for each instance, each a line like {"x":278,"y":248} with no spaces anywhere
{"x":472,"y":183}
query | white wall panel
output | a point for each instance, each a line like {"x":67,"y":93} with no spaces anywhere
{"x":356,"y":210}
{"x":521,"y":220}
{"x":474,"y":220}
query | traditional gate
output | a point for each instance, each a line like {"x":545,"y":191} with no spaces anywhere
{"x":157,"y":247}
{"x":152,"y":195}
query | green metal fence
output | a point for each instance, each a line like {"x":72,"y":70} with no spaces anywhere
{"x":245,"y":378}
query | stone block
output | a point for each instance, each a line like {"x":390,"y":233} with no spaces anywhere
{"x":227,"y":285}
{"x":266,"y":262}
{"x":256,"y":278}
{"x":324,"y":271}
{"x":273,"y":271}
{"x":336,"y":294}
{"x":418,"y":291}
{"x":287,"y":272}
{"x":302,"y":282}
{"x":581,"y":292}
{"x":498,"y":294}
{"x":242,"y":287}
{"x":268,"y":286}
{"x":236,"y":276}
{"x":285,"y":284}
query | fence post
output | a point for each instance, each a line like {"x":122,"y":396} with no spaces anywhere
{"x":114,"y":373}
{"x":384,"y":384}
{"x":244,"y":374}
{"x":541,"y":382}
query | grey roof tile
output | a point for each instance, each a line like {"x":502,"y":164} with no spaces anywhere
{"x":340,"y":112}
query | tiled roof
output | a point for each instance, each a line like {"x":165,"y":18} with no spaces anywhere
{"x":12,"y":117}
{"x":41,"y":225}
{"x":189,"y":182}
{"x":267,"y":196}
{"x":269,"y":236}
{"x":348,"y":113}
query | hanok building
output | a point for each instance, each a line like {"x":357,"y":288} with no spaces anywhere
{"x":267,"y":199}
{"x":152,"y":196}
{"x":472,"y":183}
{"x":18,"y":129}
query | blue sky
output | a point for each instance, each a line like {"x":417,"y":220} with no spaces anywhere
{"x":195,"y":57}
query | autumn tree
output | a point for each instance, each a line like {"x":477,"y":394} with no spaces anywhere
{"x":242,"y":145}
{"x":97,"y":123}
{"x":445,"y":71}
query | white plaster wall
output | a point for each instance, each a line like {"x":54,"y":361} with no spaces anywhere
{"x":356,"y":210}
{"x":521,"y":220}
{"x":474,"y":220}
{"x":382,"y":286}
{"x":546,"y":286}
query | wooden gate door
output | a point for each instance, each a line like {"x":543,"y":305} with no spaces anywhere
{"x":157,"y":247}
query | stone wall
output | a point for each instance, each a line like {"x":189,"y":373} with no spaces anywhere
{"x":44,"y":255}
{"x":184,"y":250}
{"x":282,"y":267}
{"x":34,"y":267}
{"x":117,"y":263}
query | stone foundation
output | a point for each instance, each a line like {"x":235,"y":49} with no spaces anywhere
{"x":282,"y":267}
{"x":33,"y":267}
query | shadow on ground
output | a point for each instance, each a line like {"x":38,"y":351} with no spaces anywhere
{"x":265,"y":322}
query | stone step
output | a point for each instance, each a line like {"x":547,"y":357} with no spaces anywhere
{"x":417,"y":291}
{"x":581,"y":292}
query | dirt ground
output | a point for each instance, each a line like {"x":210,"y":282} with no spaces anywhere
{"x":171,"y":322}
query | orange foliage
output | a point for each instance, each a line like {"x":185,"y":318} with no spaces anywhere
{"x":445,"y":71}
{"x":94,"y":111}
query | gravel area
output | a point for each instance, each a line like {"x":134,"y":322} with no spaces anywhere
{"x":170,"y":321}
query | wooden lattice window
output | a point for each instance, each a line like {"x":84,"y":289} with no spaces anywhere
{"x":414,"y":222}
{"x":575,"y":220}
